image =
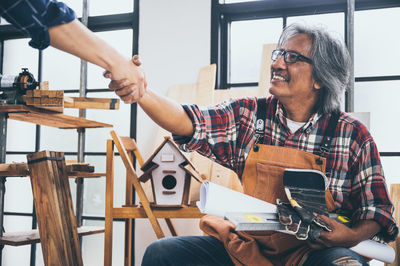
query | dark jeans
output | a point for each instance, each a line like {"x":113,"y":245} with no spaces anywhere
{"x":207,"y":250}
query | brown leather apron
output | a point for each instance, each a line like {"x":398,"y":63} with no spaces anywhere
{"x":262,"y":178}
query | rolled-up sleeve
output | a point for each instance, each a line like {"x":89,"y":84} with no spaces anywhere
{"x":221,"y":132}
{"x":373,"y":193}
{"x":35,"y":17}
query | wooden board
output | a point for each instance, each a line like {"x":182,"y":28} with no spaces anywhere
{"x":395,"y":197}
{"x":54,"y":209}
{"x":139,"y":212}
{"x":48,"y":118}
{"x":73,"y":170}
{"x":14,"y":169}
{"x":91,"y":103}
{"x":32,"y":236}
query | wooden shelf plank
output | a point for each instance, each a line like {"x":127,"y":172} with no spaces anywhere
{"x":21,"y":169}
{"x":48,"y":118}
{"x":91,"y":103}
{"x":85,"y":175}
{"x":138,"y":212}
{"x":32,"y":236}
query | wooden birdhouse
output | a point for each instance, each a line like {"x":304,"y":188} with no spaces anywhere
{"x":170,"y":173}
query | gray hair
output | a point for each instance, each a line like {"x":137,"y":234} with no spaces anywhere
{"x":330,"y":61}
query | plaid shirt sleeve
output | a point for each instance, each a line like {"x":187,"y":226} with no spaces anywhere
{"x":371,"y":191}
{"x":34,"y":17}
{"x":222,"y":132}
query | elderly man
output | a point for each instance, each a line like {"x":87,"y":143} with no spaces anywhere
{"x":309,"y":72}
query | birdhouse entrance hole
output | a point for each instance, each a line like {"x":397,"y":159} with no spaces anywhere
{"x":169,"y":182}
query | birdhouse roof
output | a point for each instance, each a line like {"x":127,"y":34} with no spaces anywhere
{"x":149,"y":165}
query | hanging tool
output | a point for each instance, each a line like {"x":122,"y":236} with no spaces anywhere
{"x":13,"y":87}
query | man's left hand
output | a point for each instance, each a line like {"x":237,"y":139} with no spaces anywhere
{"x":340,"y":236}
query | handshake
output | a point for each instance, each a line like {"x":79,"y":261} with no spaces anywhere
{"x":131,"y":84}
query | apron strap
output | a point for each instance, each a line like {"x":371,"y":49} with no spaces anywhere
{"x":261,"y":116}
{"x":330,"y":132}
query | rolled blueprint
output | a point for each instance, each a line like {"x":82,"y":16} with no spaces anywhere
{"x":218,"y":200}
{"x":375,"y":250}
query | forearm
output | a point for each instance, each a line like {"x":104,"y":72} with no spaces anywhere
{"x":166,"y":113}
{"x":365,"y":229}
{"x":76,"y":39}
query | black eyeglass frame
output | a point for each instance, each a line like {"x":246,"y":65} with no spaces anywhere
{"x":284,"y":53}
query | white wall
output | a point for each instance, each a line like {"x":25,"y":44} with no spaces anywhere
{"x":174,"y":43}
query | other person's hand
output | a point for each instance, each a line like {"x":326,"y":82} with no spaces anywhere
{"x":129,"y":89}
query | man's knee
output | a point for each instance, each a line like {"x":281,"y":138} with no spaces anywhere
{"x":346,"y":261}
{"x":335,"y":256}
{"x":156,"y":251}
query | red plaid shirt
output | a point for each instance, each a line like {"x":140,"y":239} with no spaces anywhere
{"x":226,"y":133}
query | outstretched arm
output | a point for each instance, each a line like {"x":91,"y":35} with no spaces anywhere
{"x":166,"y":113}
{"x":76,"y":39}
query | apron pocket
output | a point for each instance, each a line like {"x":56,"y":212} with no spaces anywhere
{"x":269,"y":183}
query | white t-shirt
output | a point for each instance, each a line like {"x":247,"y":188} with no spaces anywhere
{"x":293,"y":125}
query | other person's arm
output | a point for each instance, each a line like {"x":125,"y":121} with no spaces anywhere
{"x":76,"y":39}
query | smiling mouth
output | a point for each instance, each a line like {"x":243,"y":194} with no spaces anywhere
{"x":280,"y":78}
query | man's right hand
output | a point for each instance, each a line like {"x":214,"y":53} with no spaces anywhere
{"x":129,"y":92}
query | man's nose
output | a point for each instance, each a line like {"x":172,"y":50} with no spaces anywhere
{"x":279,"y":63}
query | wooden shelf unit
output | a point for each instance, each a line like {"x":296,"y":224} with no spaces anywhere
{"x":49,"y":118}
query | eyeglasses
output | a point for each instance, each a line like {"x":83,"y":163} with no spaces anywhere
{"x":290,"y":57}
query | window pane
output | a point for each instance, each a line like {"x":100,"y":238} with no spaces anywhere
{"x":247,"y":39}
{"x":76,"y":5}
{"x":50,"y":136}
{"x":333,"y":22}
{"x":391,"y":169}
{"x":16,"y":189}
{"x":20,"y":136}
{"x":120,"y":119}
{"x":103,"y":7}
{"x":376,"y":42}
{"x":94,"y":194}
{"x":17,"y":55}
{"x":381,"y":99}
{"x":60,"y":69}
{"x":121,"y":40}
{"x":93,"y":245}
{"x":16,"y":255}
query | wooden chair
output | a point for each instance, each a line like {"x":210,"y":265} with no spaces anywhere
{"x":127,"y":150}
